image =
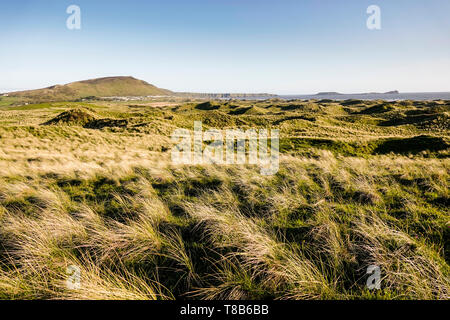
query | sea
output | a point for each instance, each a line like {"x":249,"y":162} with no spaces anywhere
{"x":420,"y":96}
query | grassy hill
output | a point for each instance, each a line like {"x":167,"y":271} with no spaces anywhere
{"x":101,"y":87}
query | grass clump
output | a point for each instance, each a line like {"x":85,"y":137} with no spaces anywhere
{"x":78,"y":117}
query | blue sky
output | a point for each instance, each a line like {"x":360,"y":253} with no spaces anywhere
{"x":282,"y":46}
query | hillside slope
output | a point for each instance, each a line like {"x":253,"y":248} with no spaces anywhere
{"x":101,"y":87}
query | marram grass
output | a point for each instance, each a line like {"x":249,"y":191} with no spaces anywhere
{"x":358,"y":185}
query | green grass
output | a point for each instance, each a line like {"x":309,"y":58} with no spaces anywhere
{"x":7,"y":101}
{"x":413,"y":145}
{"x":351,"y":192}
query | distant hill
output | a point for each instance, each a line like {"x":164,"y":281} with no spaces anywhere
{"x":339,"y":94}
{"x":101,"y":87}
{"x":328,"y":94}
{"x":392,"y":92}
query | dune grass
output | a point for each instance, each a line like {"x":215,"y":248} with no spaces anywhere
{"x":109,"y":202}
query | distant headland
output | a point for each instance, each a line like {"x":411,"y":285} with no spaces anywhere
{"x":339,"y":94}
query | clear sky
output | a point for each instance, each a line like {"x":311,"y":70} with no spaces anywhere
{"x":277,"y":46}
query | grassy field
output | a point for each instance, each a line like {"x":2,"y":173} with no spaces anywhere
{"x":92,"y":185}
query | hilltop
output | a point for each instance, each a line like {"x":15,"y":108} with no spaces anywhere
{"x":112,"y":87}
{"x":100,"y":87}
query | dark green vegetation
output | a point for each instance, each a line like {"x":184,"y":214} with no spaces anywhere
{"x":412,"y":145}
